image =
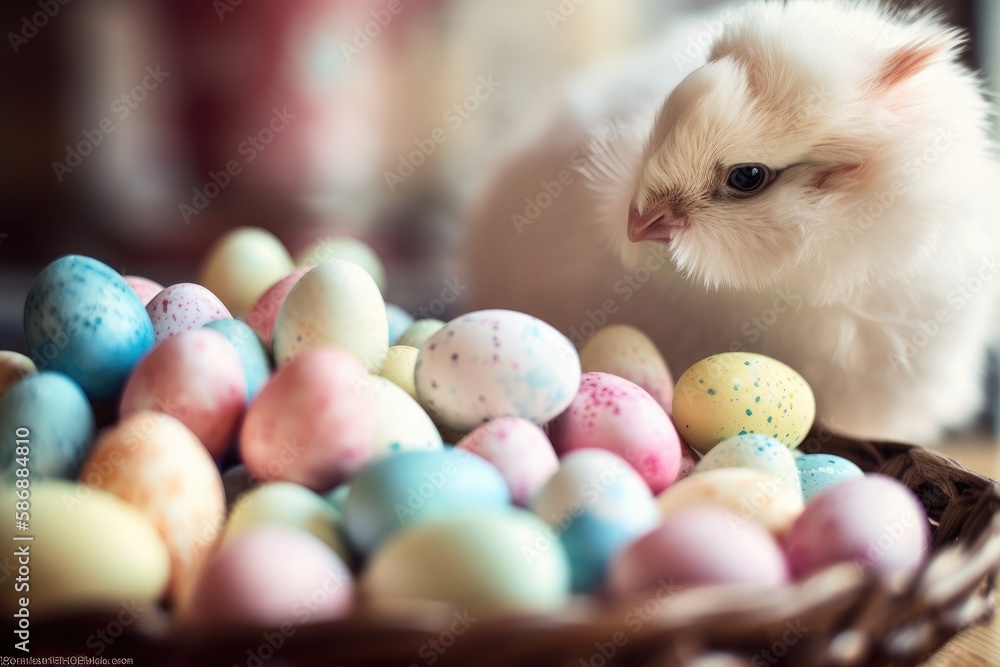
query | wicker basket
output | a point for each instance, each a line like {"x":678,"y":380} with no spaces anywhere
{"x":838,"y":617}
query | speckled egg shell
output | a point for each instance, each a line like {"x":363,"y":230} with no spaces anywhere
{"x":399,"y":321}
{"x":144,"y":288}
{"x":739,"y":392}
{"x":418,"y":333}
{"x":81,"y":318}
{"x":597,"y":504}
{"x":752,"y":450}
{"x":242,"y":264}
{"x":183,"y":307}
{"x":872,"y":521}
{"x":821,"y":471}
{"x":158,"y":466}
{"x":253,"y":355}
{"x":400,"y":364}
{"x":271,"y":576}
{"x":59,"y":424}
{"x":612,"y":413}
{"x":751,"y":495}
{"x":699,"y":547}
{"x":345,"y":248}
{"x":313,"y":423}
{"x":265,"y":310}
{"x":627,"y":352}
{"x":517,"y":448}
{"x":476,"y":561}
{"x":14,"y":367}
{"x":403,"y":425}
{"x":495,"y":363}
{"x":336,"y":304}
{"x":196,"y":377}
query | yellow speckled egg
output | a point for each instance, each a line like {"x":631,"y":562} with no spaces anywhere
{"x":242,"y":265}
{"x":400,"y":364}
{"x":736,"y":393}
{"x":627,"y":352}
{"x":90,"y":550}
{"x":335,"y":304}
{"x":15,"y":366}
{"x":158,"y":466}
{"x":344,"y":247}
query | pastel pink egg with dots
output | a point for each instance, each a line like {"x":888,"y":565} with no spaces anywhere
{"x":183,"y":307}
{"x":264,"y":312}
{"x":270,"y":576}
{"x":519,"y":450}
{"x":314,"y":422}
{"x":144,"y":288}
{"x":195,"y":377}
{"x":609,"y":412}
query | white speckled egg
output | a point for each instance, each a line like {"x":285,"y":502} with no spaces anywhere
{"x":519,"y":450}
{"x":14,"y":367}
{"x":242,"y":264}
{"x":627,"y":352}
{"x":771,"y":500}
{"x":495,"y":363}
{"x":739,"y":392}
{"x":183,"y":307}
{"x":345,"y":248}
{"x":400,"y":364}
{"x":418,"y":333}
{"x":336,"y":304}
{"x":756,"y":451}
{"x":402,"y":425}
{"x":144,"y":288}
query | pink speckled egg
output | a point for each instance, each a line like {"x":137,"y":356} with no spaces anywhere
{"x":627,"y":352}
{"x":519,"y":450}
{"x":265,"y":311}
{"x":183,"y":307}
{"x":699,"y":547}
{"x":157,"y":465}
{"x":144,"y":288}
{"x":269,"y":576}
{"x":873,"y":521}
{"x":195,"y":377}
{"x":612,"y":413}
{"x":313,"y":423}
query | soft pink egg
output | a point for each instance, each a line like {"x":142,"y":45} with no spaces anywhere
{"x":183,"y":307}
{"x":612,"y":413}
{"x":519,"y":450}
{"x":699,"y":547}
{"x":269,"y":576}
{"x":265,"y":311}
{"x":197,"y":378}
{"x":144,"y":288}
{"x":313,"y":423}
{"x":873,"y":521}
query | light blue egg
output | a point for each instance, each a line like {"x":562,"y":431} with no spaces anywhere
{"x":821,"y":471}
{"x":53,"y":414}
{"x":253,"y":355}
{"x":413,"y":487}
{"x":81,"y":318}
{"x":399,"y":321}
{"x":597,"y":504}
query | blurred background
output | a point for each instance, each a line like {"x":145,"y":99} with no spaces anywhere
{"x":137,"y":131}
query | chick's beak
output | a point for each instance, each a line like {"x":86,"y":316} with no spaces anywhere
{"x":658,"y":222}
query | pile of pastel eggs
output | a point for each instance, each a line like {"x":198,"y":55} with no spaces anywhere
{"x":287,"y":446}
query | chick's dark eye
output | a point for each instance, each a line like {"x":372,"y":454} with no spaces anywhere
{"x":748,"y":178}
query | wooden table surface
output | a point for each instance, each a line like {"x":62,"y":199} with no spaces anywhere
{"x":979,"y":647}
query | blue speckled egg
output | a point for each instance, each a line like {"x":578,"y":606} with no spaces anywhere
{"x":752,"y":450}
{"x":253,"y":355}
{"x":59,"y":423}
{"x":596,"y":504}
{"x":81,"y":318}
{"x":417,"y":486}
{"x":820,"y":471}
{"x":399,"y":321}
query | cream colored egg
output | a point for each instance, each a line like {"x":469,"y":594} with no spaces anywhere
{"x":158,"y":466}
{"x":347,"y":248}
{"x":336,"y":304}
{"x":402,"y":424}
{"x":289,"y":505}
{"x":737,"y":393}
{"x":400,"y":363}
{"x":89,"y":551}
{"x":772,"y":500}
{"x":15,"y":366}
{"x":420,"y":332}
{"x":627,"y":352}
{"x":242,"y":265}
